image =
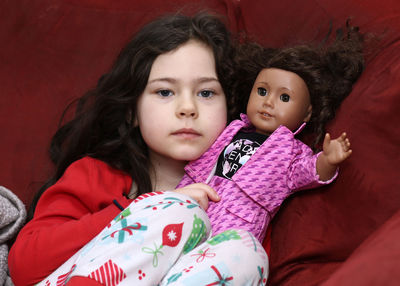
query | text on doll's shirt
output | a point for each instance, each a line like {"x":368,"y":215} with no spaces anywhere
{"x":238,"y":152}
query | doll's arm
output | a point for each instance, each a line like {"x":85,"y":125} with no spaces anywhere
{"x":334,"y":152}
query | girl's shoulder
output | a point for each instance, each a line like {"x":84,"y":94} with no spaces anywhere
{"x":94,"y":172}
{"x":95,"y":165}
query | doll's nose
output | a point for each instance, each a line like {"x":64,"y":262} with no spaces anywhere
{"x":268,"y":101}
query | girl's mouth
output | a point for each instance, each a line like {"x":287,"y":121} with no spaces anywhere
{"x":186,"y":133}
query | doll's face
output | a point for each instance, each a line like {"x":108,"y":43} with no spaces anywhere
{"x":278,"y":97}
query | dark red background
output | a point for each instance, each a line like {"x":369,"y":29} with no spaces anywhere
{"x":53,"y":51}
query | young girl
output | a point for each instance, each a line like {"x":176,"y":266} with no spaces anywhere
{"x":257,"y":162}
{"x":163,"y":103}
{"x":261,"y":166}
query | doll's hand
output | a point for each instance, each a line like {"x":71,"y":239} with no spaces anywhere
{"x":200,"y":192}
{"x":336,"y":150}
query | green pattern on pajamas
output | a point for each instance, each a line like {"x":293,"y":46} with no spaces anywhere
{"x":165,"y":238}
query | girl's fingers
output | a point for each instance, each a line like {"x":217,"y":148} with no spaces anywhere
{"x":201,"y":193}
{"x":212,"y":194}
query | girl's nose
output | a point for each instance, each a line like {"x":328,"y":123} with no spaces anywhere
{"x":186,"y":107}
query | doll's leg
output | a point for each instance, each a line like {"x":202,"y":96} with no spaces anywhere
{"x":143,"y":241}
{"x":233,"y":257}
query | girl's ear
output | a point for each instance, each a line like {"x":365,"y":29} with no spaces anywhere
{"x":308,"y":114}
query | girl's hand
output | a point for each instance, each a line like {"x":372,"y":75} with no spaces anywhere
{"x":336,"y":150}
{"x":201,"y":193}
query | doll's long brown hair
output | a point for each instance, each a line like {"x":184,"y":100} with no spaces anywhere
{"x":329,"y":71}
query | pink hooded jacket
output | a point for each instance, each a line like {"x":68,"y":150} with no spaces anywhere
{"x":280,"y":166}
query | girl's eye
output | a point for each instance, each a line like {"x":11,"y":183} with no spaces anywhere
{"x":164,"y":93}
{"x":262,"y":91}
{"x":285,"y":97}
{"x":206,"y":93}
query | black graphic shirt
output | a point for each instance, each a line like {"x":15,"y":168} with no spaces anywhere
{"x":238,"y":152}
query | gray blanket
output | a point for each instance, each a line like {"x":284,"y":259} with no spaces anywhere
{"x":12,"y":217}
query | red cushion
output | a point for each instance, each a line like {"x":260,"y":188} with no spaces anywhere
{"x":316,"y":230}
{"x":277,"y":23}
{"x":375,"y":262}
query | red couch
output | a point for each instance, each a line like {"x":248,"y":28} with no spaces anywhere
{"x":347,"y":233}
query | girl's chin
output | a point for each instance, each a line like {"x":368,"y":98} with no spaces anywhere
{"x":187,"y":157}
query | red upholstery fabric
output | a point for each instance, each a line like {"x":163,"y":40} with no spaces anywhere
{"x":316,"y":231}
{"x":54,"y":50}
{"x":376,"y":259}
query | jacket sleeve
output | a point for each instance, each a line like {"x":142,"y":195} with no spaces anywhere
{"x":303,"y":172}
{"x":68,"y":215}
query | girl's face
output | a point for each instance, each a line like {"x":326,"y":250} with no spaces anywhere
{"x":278,"y":97}
{"x":183,"y":107}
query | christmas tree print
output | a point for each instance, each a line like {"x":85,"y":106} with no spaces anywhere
{"x":125,"y":213}
{"x":224,"y":236}
{"x":171,"y":236}
{"x":197,"y":234}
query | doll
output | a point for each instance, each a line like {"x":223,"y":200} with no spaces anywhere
{"x":257,"y":162}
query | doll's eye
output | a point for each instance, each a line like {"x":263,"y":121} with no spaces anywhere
{"x":285,"y":97}
{"x":262,"y":91}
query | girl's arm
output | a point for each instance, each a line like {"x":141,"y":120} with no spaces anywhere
{"x":69,"y":214}
{"x":334,"y":152}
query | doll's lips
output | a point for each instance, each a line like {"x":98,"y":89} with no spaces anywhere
{"x":265,"y":114}
{"x":186,"y":133}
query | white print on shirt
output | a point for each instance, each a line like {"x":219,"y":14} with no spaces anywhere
{"x":236,"y":154}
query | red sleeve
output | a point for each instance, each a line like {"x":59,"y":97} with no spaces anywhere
{"x":68,"y":215}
